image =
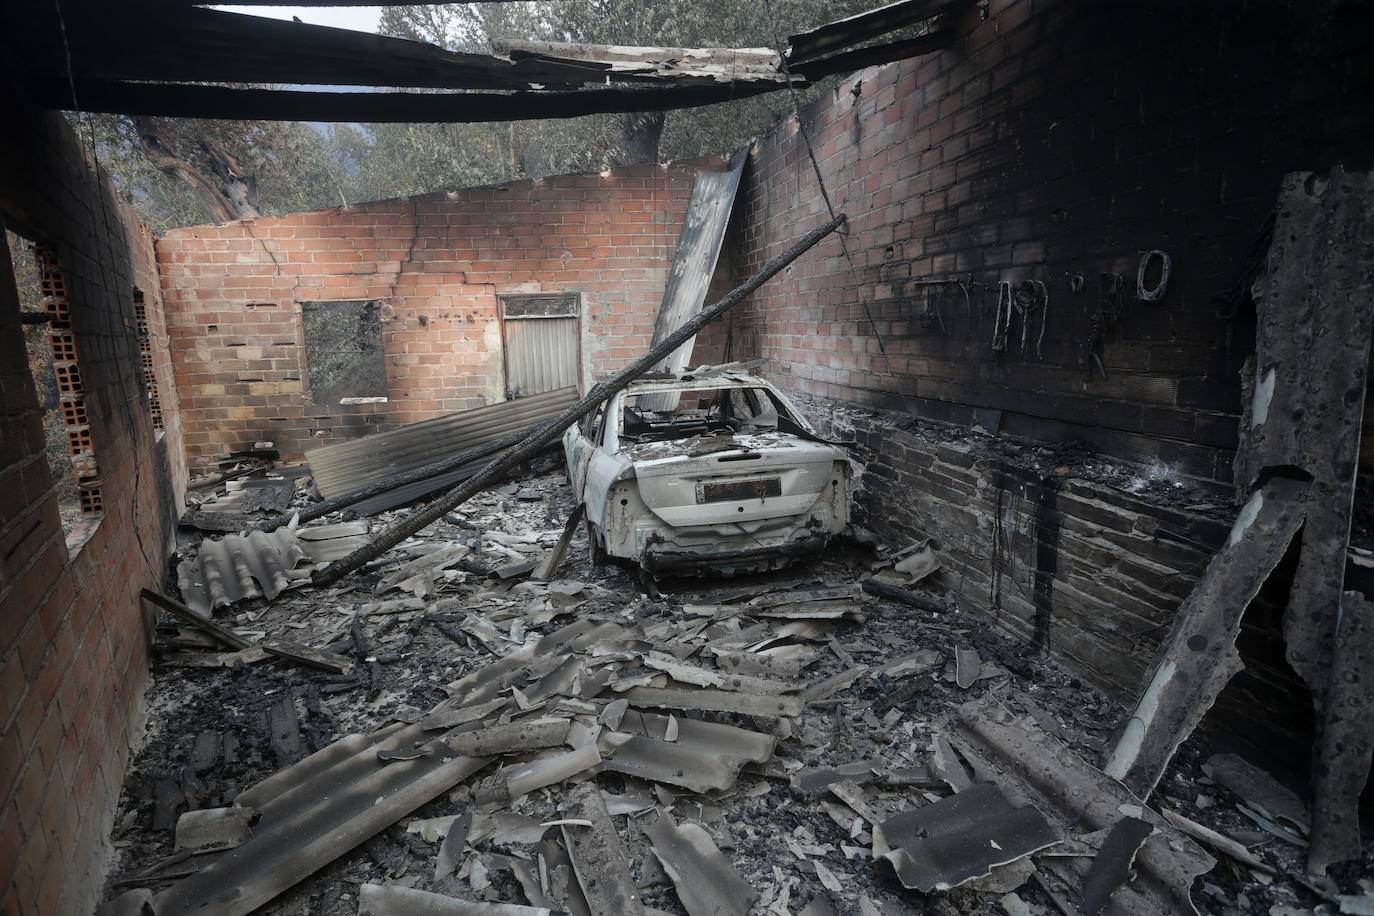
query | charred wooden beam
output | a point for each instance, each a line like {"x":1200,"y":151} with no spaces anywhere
{"x":188,"y":4}
{"x":541,"y":436}
{"x":722,"y":57}
{"x":200,"y":45}
{"x":863,"y":26}
{"x":218,"y":102}
{"x":857,"y":59}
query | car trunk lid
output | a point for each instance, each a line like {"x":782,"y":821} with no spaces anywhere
{"x":713,"y":480}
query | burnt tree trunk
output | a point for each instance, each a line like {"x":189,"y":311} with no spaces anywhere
{"x":640,"y":134}
{"x":233,"y":195}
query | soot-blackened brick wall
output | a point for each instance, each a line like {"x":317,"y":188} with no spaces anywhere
{"x":437,"y":264}
{"x":73,"y":639}
{"x":1085,"y":558}
{"x":1055,"y":138}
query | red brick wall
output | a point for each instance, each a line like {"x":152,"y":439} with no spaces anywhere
{"x":437,"y":263}
{"x":1054,"y":138}
{"x":73,"y":639}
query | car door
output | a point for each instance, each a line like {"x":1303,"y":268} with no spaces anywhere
{"x":577,"y":451}
{"x":605,"y":463}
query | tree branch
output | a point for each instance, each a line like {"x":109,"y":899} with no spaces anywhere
{"x":216,"y":198}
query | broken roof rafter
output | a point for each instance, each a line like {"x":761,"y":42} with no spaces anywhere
{"x":109,"y":62}
{"x":186,"y":101}
{"x":187,"y":4}
{"x":224,"y":47}
{"x":843,"y":33}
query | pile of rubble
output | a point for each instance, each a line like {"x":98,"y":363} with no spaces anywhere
{"x":437,"y":734}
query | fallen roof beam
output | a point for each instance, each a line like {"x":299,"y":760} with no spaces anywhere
{"x":553,"y":429}
{"x":861,"y":27}
{"x":176,"y":100}
{"x":1033,"y":767}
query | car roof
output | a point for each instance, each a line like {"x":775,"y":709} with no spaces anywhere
{"x":727,"y":376}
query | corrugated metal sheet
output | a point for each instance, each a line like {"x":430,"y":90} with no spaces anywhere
{"x":356,"y":463}
{"x":315,"y":811}
{"x":411,"y":492}
{"x":541,"y":355}
{"x":698,"y":250}
{"x":237,"y":567}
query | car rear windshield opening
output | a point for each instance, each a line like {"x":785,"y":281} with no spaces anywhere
{"x":664,"y":416}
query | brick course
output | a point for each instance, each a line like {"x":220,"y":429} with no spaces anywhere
{"x":73,"y":639}
{"x":437,"y":263}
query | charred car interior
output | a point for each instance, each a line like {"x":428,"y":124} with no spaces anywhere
{"x":687,"y":458}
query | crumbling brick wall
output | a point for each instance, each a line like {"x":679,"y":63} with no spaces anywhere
{"x":437,"y":264}
{"x":1054,"y":139}
{"x":73,"y":639}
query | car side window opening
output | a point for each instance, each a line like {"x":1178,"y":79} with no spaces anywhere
{"x":590,"y":425}
{"x":601,"y":431}
{"x":699,"y":412}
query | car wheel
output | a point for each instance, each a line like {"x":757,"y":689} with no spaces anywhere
{"x":595,"y":551}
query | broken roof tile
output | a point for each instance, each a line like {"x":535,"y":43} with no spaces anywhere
{"x":940,"y":846}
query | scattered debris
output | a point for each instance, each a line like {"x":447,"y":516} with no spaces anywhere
{"x":1111,"y":866}
{"x":1258,"y":790}
{"x":646,"y":745}
{"x":706,"y":883}
{"x":960,"y":838}
{"x":213,"y":828}
{"x":598,"y":856}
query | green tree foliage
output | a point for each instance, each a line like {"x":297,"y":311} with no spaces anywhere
{"x":295,"y":164}
{"x":308,"y":166}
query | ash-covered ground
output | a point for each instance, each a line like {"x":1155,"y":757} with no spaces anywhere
{"x":213,"y":731}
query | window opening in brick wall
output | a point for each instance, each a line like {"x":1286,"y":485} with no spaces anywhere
{"x":53,"y":361}
{"x":145,"y":357}
{"x":343,"y":351}
{"x":542,"y":341}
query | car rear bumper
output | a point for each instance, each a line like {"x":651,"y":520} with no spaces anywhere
{"x":725,"y":560}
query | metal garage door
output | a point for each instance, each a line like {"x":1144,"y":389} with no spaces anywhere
{"x":541,"y":340}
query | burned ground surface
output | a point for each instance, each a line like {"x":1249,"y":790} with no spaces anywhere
{"x":879,"y":686}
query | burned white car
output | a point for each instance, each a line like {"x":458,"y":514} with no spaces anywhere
{"x":707,"y":472}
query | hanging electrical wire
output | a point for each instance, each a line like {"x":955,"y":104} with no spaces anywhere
{"x":820,"y":180}
{"x":1155,"y":293}
{"x":1001,"y":324}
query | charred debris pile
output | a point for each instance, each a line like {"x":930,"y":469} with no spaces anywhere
{"x":439,"y":732}
{"x":430,"y":712}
